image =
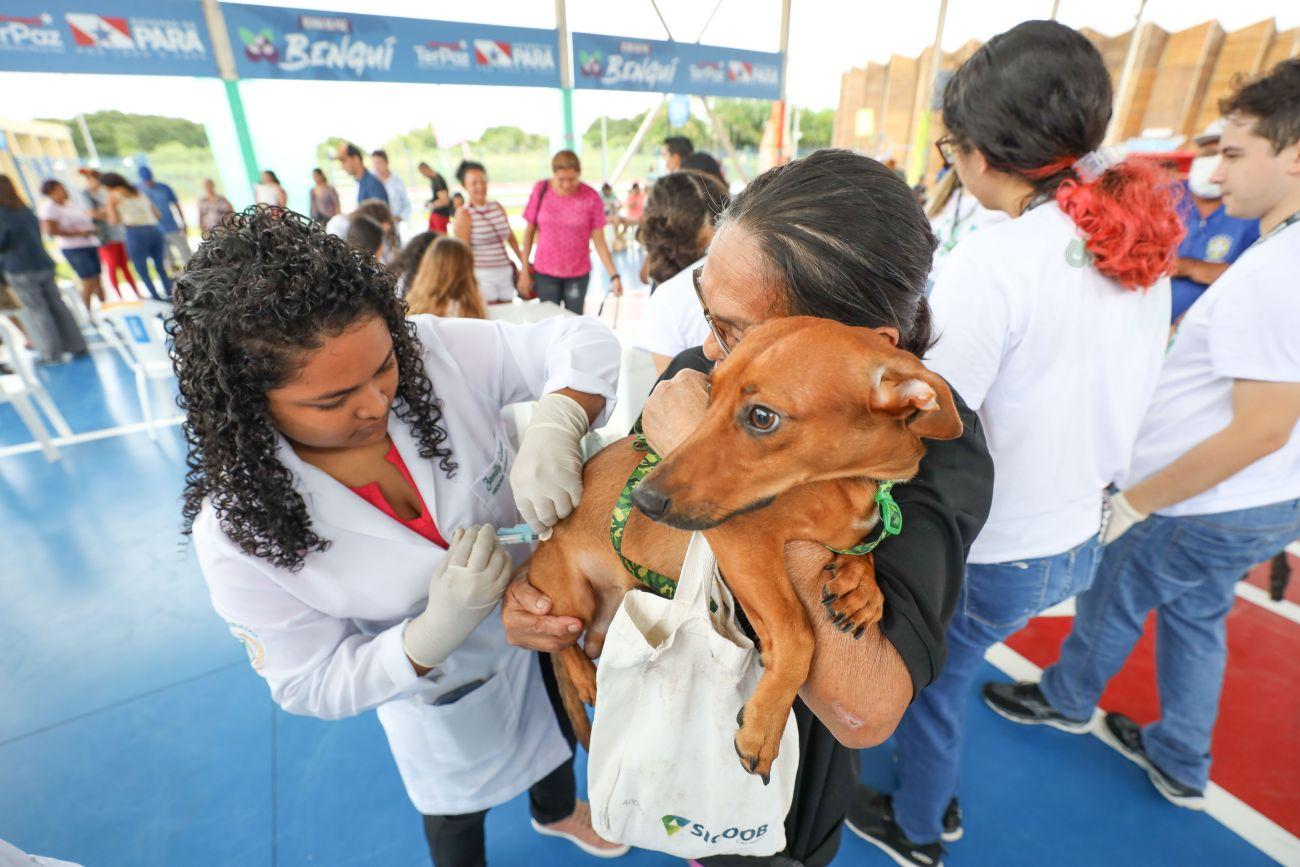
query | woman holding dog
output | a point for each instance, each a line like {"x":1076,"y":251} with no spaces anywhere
{"x":1054,"y":326}
{"x":348,"y":467}
{"x":838,"y":236}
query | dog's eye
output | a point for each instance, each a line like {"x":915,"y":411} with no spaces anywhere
{"x":762,"y":419}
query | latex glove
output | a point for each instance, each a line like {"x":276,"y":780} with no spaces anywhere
{"x":466,"y":585}
{"x":547,"y":475}
{"x":1122,"y":517}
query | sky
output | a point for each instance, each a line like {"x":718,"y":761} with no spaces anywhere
{"x":826,"y":38}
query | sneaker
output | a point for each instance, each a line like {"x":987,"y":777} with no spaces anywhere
{"x":578,"y":831}
{"x":871,"y":817}
{"x":1024,"y":703}
{"x":952,"y":829}
{"x":1125,"y":735}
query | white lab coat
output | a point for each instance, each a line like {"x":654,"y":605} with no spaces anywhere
{"x":327,"y":638}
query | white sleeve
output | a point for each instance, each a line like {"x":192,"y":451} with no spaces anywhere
{"x":972,"y":319}
{"x":514,"y":363}
{"x":316,"y":665}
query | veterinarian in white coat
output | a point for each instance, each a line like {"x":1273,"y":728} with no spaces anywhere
{"x":471,"y":725}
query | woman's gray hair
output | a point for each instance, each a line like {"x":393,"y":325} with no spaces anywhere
{"x":846,"y":239}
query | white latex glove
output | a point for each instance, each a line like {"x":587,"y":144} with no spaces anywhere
{"x":1122,"y":517}
{"x":466,"y":585}
{"x":547,"y":475}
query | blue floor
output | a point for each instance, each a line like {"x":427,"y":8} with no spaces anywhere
{"x":132,"y":731}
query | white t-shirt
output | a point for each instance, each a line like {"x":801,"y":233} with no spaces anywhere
{"x":1245,"y":326}
{"x":673,"y":320}
{"x":1060,"y":363}
{"x":70,"y":218}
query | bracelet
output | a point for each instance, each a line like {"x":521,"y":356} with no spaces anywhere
{"x":618,"y":277}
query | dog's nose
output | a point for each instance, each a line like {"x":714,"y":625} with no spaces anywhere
{"x":652,"y":501}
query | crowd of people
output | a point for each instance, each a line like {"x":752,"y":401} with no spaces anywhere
{"x":343,"y":394}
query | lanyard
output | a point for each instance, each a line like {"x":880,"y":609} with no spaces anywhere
{"x":1291,"y":220}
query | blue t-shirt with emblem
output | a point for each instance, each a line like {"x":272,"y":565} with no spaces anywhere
{"x":1216,"y":238}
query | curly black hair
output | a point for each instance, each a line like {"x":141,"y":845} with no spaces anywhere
{"x":679,"y":206}
{"x":267,"y":286}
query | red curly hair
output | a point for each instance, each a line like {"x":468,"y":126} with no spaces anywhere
{"x":1129,"y":218}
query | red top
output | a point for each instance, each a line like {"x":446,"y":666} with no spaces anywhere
{"x":422,"y":523}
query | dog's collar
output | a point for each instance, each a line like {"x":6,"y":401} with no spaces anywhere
{"x":891,"y":522}
{"x":659,"y":584}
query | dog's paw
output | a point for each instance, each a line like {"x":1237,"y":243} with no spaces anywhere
{"x":757,"y":744}
{"x":852,"y":598}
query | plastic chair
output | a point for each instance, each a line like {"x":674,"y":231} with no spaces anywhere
{"x":137,"y":335}
{"x":72,"y":300}
{"x":22,"y":387}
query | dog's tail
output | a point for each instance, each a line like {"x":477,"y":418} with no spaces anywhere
{"x":573,"y":706}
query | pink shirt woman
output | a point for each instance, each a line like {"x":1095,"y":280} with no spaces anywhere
{"x":564,"y":216}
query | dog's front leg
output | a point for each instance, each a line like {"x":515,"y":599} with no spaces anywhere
{"x":755,"y":572}
{"x":851,"y":596}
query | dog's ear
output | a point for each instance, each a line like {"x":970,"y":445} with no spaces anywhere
{"x":906,"y":389}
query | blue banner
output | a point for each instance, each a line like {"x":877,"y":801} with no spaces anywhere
{"x":616,"y":63}
{"x":271,"y":42}
{"x":135,"y":37}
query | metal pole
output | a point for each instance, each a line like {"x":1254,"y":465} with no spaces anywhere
{"x":1056,"y":8}
{"x":604,"y":145}
{"x":1123,"y":98}
{"x":226,"y":69}
{"x":566,"y":73}
{"x":918,"y":162}
{"x":721,"y":128}
{"x":636,"y":140}
{"x":85,"y":136}
{"x":785,"y":59}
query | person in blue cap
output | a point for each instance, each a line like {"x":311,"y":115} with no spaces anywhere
{"x":1214,"y":240}
{"x":171,"y":220}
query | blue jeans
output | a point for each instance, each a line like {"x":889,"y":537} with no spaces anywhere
{"x":142,"y":244}
{"x":569,"y":291}
{"x":1186,"y":569}
{"x":996,"y":600}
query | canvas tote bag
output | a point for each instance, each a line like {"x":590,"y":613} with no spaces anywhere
{"x":663,"y":773}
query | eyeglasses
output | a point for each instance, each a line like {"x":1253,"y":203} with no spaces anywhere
{"x":947,"y":148}
{"x":714,"y":329}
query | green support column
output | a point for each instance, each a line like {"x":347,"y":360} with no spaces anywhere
{"x":241,"y":130}
{"x":570,"y":142}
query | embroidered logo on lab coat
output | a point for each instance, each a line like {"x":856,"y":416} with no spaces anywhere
{"x":252,"y":645}
{"x":492,"y":478}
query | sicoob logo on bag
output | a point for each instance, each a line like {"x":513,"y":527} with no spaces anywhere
{"x":673,"y":824}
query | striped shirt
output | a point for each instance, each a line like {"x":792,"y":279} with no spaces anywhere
{"x":489,"y":230}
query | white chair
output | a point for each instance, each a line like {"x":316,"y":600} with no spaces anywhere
{"x":137,"y":334}
{"x":22,"y":387}
{"x":72,"y":300}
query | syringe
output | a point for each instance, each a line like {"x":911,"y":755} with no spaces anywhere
{"x":519,"y":534}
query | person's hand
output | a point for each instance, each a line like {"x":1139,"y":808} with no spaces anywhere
{"x":547,"y":475}
{"x":526,"y":616}
{"x":466,"y":585}
{"x":674,"y":409}
{"x":616,"y":286}
{"x":525,"y":283}
{"x":1122,"y":518}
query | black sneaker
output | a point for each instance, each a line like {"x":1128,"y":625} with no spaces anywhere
{"x":1126,"y":736}
{"x":871,"y":817}
{"x":952,"y":829}
{"x":1024,"y":703}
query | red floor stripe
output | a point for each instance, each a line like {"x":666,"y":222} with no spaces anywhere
{"x":1257,"y":740}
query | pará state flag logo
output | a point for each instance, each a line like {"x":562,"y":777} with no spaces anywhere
{"x":673,"y":824}
{"x":99,"y":31}
{"x":492,"y":52}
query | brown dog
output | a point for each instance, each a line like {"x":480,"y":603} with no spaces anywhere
{"x":803,"y":419}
